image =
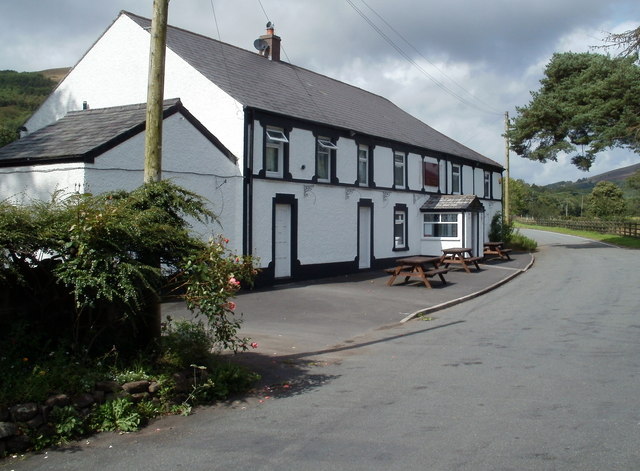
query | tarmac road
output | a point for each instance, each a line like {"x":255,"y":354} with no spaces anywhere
{"x":541,"y":373}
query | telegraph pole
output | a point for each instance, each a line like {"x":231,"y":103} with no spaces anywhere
{"x":505,"y":187}
{"x":153,"y":136}
{"x":155,"y":92}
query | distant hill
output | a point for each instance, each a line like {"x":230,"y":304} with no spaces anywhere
{"x":56,"y":74}
{"x":619,"y":175}
{"x":21,"y":93}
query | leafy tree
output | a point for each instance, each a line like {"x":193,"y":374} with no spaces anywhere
{"x":633,"y":182}
{"x":587,"y":103}
{"x":606,"y":201}
{"x":519,"y":196}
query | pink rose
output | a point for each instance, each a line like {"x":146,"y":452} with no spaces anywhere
{"x":234,"y":282}
{"x":231,"y":305}
{"x":254,"y":344}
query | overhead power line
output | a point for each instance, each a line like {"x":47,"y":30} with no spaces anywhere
{"x":485,"y":108}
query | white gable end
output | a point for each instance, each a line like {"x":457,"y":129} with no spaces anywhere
{"x":114,"y":72}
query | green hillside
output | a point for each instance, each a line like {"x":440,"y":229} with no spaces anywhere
{"x":20,"y":95}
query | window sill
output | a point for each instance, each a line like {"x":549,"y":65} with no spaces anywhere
{"x":429,"y":238}
{"x":400,"y":249}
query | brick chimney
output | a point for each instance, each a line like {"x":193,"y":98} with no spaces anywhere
{"x":273,"y":43}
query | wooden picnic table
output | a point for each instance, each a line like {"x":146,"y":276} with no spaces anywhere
{"x":496,"y":248}
{"x":461,"y":256}
{"x":417,"y":267}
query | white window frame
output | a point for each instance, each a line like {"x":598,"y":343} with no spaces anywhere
{"x":363,"y":163}
{"x":275,"y":139}
{"x":323,"y":150}
{"x":276,"y":135}
{"x":439,"y":222}
{"x":399,"y":169}
{"x":456,"y":179}
{"x":399,"y":221}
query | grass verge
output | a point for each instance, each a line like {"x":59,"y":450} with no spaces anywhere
{"x":620,"y":241}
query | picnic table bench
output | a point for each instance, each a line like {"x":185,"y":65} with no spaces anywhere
{"x":496,"y":248}
{"x":417,"y":267}
{"x":462,"y":256}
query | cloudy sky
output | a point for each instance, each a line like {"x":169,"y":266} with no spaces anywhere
{"x":457,"y":65}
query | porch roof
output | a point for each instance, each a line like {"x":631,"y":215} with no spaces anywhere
{"x":453,"y":203}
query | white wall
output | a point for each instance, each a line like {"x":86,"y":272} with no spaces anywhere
{"x":467,"y":180}
{"x":302,"y":152}
{"x":21,"y":185}
{"x":414,"y":172}
{"x":383,"y":166}
{"x":347,"y":160}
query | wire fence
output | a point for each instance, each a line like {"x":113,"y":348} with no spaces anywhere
{"x":622,"y":228}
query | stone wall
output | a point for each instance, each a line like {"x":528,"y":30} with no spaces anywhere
{"x":22,"y":421}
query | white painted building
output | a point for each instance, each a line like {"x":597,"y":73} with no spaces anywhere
{"x":325,"y":178}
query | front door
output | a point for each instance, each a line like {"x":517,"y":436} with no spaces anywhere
{"x":282,"y":242}
{"x":364,"y":237}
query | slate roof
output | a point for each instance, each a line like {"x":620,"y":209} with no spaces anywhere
{"x":81,"y":135}
{"x":469,"y":203}
{"x":286,"y":89}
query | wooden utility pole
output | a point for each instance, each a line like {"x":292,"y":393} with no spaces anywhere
{"x":153,"y":136}
{"x":505,"y":186}
{"x":155,"y":92}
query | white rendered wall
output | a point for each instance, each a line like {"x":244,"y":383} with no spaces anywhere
{"x":302,"y":153}
{"x":478,"y":181}
{"x":188,"y":160}
{"x":347,"y":160}
{"x":383,"y":166}
{"x":414,"y":172}
{"x":467,"y":179}
{"x":114,"y":72}
{"x":21,"y":185}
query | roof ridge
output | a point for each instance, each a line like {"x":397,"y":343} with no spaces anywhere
{"x":169,"y":102}
{"x":275,"y":63}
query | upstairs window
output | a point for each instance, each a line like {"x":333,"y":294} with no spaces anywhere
{"x":324,"y":147}
{"x":455,"y":179}
{"x":399,"y":164}
{"x":274,"y":151}
{"x":431,"y":174}
{"x":487,"y":184}
{"x":363,"y":165}
{"x":440,"y":225}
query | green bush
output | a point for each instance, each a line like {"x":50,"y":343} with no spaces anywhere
{"x":499,"y":230}
{"x":118,"y":415}
{"x":185,"y":343}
